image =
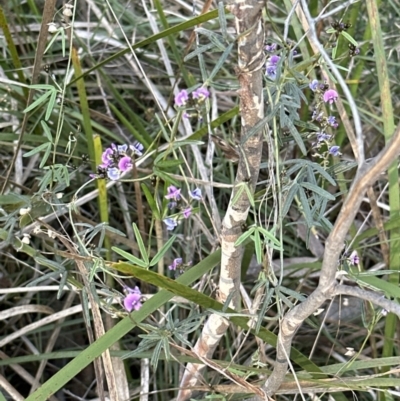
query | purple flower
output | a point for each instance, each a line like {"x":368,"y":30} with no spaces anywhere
{"x":137,"y":148}
{"x":334,"y":150}
{"x":354,"y":258}
{"x":132,"y":299}
{"x":173,"y":193}
{"x":176,"y":263}
{"x":274,"y":59}
{"x":201,"y":94}
{"x":170,"y":223}
{"x":331,"y":120}
{"x":181,"y":98}
{"x":271,"y":48}
{"x":271,"y":72}
{"x":187,"y":212}
{"x":330,"y":96}
{"x":321,"y":136}
{"x":313,"y":85}
{"x":171,"y":205}
{"x":106,"y":157}
{"x":113,"y":173}
{"x":125,"y":163}
{"x":195,"y":194}
{"x":122,"y":148}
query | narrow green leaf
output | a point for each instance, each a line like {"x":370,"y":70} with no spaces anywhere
{"x":318,"y":190}
{"x":130,"y":257}
{"x":349,"y":38}
{"x":162,"y":251}
{"x":140,"y":243}
{"x":151,"y":201}
{"x":38,"y":102}
{"x":32,"y":152}
{"x":245,"y":235}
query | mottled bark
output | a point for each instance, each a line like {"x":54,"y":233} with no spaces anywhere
{"x":250,"y":34}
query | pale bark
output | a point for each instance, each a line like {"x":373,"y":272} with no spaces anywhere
{"x":250,"y":32}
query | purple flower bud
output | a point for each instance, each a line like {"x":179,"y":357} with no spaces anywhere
{"x":201,"y":94}
{"x":321,"y":136}
{"x":271,"y":72}
{"x":125,"y":163}
{"x":354,"y":258}
{"x":330,"y":96}
{"x":170,"y":223}
{"x":187,"y":212}
{"x":122,"y":148}
{"x":173,"y":193}
{"x":176,"y":263}
{"x":331,"y":120}
{"x":313,"y":85}
{"x":181,"y":98}
{"x":195,"y":194}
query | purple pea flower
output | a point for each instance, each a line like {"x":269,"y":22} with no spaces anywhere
{"x":354,"y":258}
{"x":330,"y":96}
{"x":170,"y":223}
{"x":271,"y":72}
{"x":313,"y":85}
{"x":173,"y":193}
{"x":137,"y":148}
{"x":331,"y":120}
{"x":321,"y":136}
{"x":175,"y":264}
{"x":195,"y":194}
{"x":201,"y":94}
{"x":122,"y":148}
{"x":132,"y":299}
{"x":334,"y":150}
{"x":106,"y":156}
{"x":125,"y":163}
{"x":113,"y":173}
{"x":181,"y":98}
{"x":271,"y":48}
{"x":187,"y":212}
{"x":274,"y":60}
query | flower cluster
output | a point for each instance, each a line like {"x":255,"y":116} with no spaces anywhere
{"x":117,"y":159}
{"x":330,"y":96}
{"x":199,"y":95}
{"x":174,"y":196}
{"x":132,"y":300}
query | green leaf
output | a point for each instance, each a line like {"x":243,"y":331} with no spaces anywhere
{"x":46,"y":130}
{"x":162,"y":251}
{"x":257,"y":246}
{"x":38,"y":101}
{"x":141,"y":246}
{"x":349,"y":38}
{"x":269,"y":236}
{"x":245,"y":235}
{"x":318,"y":190}
{"x":43,"y":146}
{"x":130,"y":257}
{"x":151,"y":202}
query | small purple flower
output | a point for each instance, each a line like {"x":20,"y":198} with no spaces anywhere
{"x":330,"y":96}
{"x":106,"y":157}
{"x":271,"y":72}
{"x":334,"y":150}
{"x":125,"y":163}
{"x":122,"y":148}
{"x":354,"y":258}
{"x":132,"y":299}
{"x":175,"y":264}
{"x":321,"y":136}
{"x":331,"y":120}
{"x":170,"y":223}
{"x":137,"y":148}
{"x":187,"y":212}
{"x":313,"y":85}
{"x":113,"y":173}
{"x":181,"y":98}
{"x":201,"y":94}
{"x":274,"y":60}
{"x":173,"y":193}
{"x":271,"y":48}
{"x":195,"y":194}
